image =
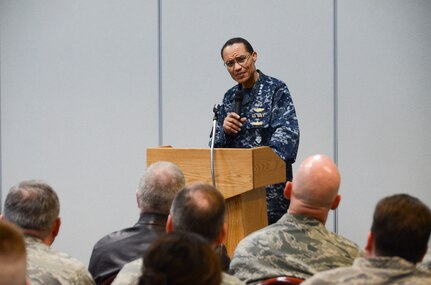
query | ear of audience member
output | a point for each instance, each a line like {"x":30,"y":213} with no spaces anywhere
{"x":397,"y":241}
{"x":157,"y":188}
{"x":298,"y":244}
{"x":12,"y":255}
{"x":181,"y":258}
{"x":34,"y":206}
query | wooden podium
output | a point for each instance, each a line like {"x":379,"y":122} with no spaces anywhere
{"x":240,"y":175}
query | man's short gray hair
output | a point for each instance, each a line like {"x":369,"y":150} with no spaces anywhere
{"x":158,"y":186}
{"x":32,"y":205}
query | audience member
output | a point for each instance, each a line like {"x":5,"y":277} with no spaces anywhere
{"x":198,"y":209}
{"x":182,"y":259}
{"x":298,"y":244}
{"x":34,"y":206}
{"x":157,"y":188}
{"x":397,"y":241}
{"x":13,"y":268}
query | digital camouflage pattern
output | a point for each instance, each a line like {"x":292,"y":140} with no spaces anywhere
{"x":271,"y":121}
{"x":46,"y":266}
{"x":296,"y":245}
{"x":426,"y":262}
{"x":376,"y":270}
{"x":131,"y":273}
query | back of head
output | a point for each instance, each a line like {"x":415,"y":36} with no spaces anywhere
{"x":200,"y":209}
{"x":180,"y":258}
{"x":401,"y":227}
{"x":315,"y":185}
{"x":32,"y":205}
{"x":12,"y":255}
{"x":158,"y":186}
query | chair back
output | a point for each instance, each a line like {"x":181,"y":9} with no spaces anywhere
{"x":282,"y":280}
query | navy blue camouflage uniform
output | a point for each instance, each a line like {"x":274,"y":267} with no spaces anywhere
{"x":271,"y":121}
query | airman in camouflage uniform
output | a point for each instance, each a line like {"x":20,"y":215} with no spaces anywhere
{"x":34,"y":207}
{"x":377,"y":270}
{"x":298,"y":244}
{"x":130,"y":273}
{"x":46,"y":266}
{"x":268,"y":117}
{"x":295,"y":245}
{"x":396,"y":243}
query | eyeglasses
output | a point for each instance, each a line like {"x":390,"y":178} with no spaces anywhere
{"x":241,"y":60}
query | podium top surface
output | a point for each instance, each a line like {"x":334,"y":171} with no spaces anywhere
{"x":237,"y":170}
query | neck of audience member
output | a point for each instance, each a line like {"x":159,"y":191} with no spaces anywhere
{"x":303,"y":204}
{"x":371,"y":249}
{"x":215,"y":243}
{"x":47,"y":237}
{"x":301,"y":208}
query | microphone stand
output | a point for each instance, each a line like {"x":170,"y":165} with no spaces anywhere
{"x":215,"y":118}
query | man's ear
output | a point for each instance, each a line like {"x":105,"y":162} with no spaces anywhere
{"x":137,"y":199}
{"x":336,"y":202}
{"x":369,"y":247}
{"x":169,"y":225}
{"x":222,"y":235}
{"x":56,"y":227}
{"x":288,"y":190}
{"x":254,"y":56}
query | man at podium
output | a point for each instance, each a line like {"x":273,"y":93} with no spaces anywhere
{"x":258,"y":111}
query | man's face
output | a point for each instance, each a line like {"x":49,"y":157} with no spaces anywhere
{"x":240,"y":64}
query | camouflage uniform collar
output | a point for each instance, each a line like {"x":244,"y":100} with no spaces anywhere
{"x":302,"y":218}
{"x":248,"y":93}
{"x":32,"y":241}
{"x":384,"y":262}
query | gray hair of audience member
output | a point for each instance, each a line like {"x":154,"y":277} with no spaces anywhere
{"x":200,"y":209}
{"x":12,"y":255}
{"x":158,"y":186}
{"x":401,"y":227}
{"x":32,"y":205}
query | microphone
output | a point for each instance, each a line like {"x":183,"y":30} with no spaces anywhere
{"x":238,"y":101}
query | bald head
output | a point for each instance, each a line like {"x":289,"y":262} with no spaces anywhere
{"x":314,"y":189}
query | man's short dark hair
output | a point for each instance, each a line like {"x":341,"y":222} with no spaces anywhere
{"x":180,"y":258}
{"x":32,"y":205}
{"x":401,"y":227}
{"x":200,"y":209}
{"x":237,"y":40}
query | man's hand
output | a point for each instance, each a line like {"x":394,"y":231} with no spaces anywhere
{"x":232,"y":123}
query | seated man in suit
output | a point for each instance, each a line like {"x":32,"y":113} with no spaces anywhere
{"x":157,"y":188}
{"x":34,"y":207}
{"x":298,"y":244}
{"x":13,"y":268}
{"x":397,"y":241}
{"x":198,"y":209}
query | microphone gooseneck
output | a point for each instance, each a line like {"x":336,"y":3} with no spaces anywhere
{"x":216,"y":110}
{"x":238,"y":101}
